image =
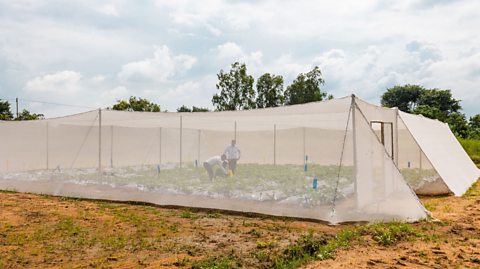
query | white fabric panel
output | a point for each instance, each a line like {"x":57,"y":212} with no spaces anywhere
{"x":444,"y":152}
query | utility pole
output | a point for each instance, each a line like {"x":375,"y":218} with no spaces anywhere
{"x":16,"y":101}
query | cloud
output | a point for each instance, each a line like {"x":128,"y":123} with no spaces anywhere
{"x":109,"y":10}
{"x":215,"y":16}
{"x":161,"y":67}
{"x":63,"y":82}
{"x":424,"y":52}
{"x":360,"y":46}
{"x":117,"y":93}
{"x":230,"y":52}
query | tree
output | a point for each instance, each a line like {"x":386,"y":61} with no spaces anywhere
{"x":458,"y":124}
{"x":236,"y":89}
{"x":429,"y":112}
{"x":474,"y":127}
{"x":185,"y":108}
{"x":26,"y":115}
{"x":199,"y":109}
{"x":404,"y":97}
{"x":306,"y":88}
{"x":442,"y":100}
{"x":432,"y":103}
{"x":136,"y":104}
{"x":269,"y":91}
{"x":5,"y":113}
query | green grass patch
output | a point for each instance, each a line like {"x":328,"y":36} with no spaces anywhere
{"x":9,"y":191}
{"x":431,"y":205}
{"x":387,"y":234}
{"x":308,"y":247}
{"x":472,"y":191}
{"x":472,"y":147}
{"x":228,"y":262}
{"x":187,"y":214}
{"x":266,"y":244}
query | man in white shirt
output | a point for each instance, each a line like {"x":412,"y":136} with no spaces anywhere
{"x":210,"y":163}
{"x":233,"y":155}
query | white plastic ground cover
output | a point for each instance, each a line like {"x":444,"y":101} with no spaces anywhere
{"x":444,"y":152}
{"x":318,"y":160}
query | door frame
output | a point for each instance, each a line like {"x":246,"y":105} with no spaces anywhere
{"x":382,"y":134}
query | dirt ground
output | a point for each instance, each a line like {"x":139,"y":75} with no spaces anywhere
{"x":38,"y":231}
{"x":451,"y":240}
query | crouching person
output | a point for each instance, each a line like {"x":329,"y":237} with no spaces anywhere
{"x":215,"y":162}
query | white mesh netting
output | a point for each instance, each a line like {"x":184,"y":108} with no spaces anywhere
{"x":319,"y":160}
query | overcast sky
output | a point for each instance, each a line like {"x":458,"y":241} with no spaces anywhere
{"x":91,"y":53}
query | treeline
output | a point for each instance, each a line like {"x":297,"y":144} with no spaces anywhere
{"x":6,"y":113}
{"x":435,"y":104}
{"x":238,"y":90}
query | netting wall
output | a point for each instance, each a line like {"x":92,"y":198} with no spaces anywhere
{"x":381,"y":186}
{"x":416,"y":167}
{"x":320,"y":161}
{"x":404,"y":150}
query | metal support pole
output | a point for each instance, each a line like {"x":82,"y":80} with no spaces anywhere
{"x":382,"y":132}
{"x":304,"y":150}
{"x":420,"y":164}
{"x":274,"y":144}
{"x":100,"y":141}
{"x":16,"y":101}
{"x":354,"y":133}
{"x":47,"y":145}
{"x":199,"y":140}
{"x":111,"y":146}
{"x":235,"y":131}
{"x":160,"y":146}
{"x":181,"y":130}
{"x":396,"y":137}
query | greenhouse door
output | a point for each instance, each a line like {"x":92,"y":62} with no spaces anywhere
{"x":384,"y":131}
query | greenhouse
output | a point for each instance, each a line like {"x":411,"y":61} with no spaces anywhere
{"x":337,"y":160}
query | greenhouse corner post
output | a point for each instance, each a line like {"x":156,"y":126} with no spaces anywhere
{"x":353,"y":108}
{"x":46,"y":134}
{"x":100,"y":141}
{"x":395,"y":154}
{"x":199,"y":141}
{"x":420,"y":162}
{"x":304,"y":150}
{"x":181,"y":130}
{"x":160,"y":146}
{"x":274,"y":144}
{"x":111,"y":146}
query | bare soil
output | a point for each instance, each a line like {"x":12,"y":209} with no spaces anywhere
{"x":39,"y":231}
